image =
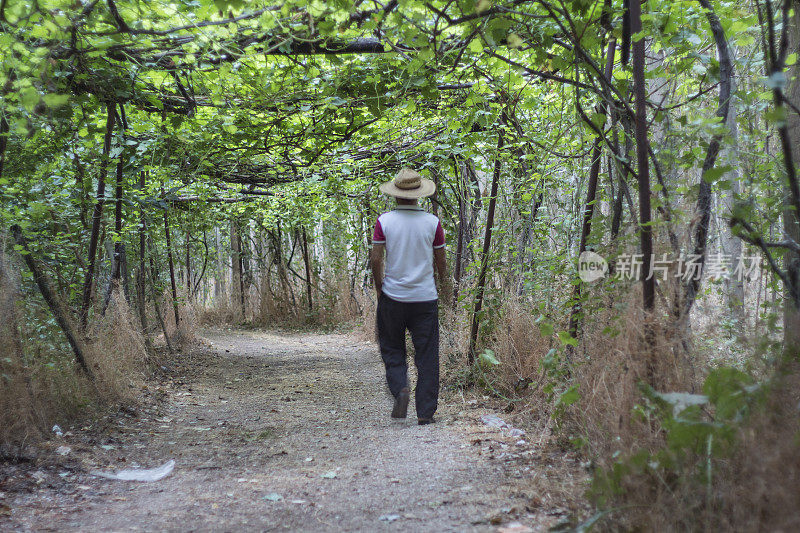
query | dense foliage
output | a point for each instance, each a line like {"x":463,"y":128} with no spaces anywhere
{"x":191,"y":148}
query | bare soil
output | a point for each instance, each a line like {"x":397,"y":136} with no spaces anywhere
{"x":291,"y":432}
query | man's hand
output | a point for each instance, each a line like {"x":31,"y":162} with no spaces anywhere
{"x":376,"y":262}
{"x":446,"y":288}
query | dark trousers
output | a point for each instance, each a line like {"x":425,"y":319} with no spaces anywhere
{"x":422,"y":320}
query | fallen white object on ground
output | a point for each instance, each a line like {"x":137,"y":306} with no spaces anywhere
{"x":495,"y":421}
{"x":140,"y":474}
{"x":63,"y":450}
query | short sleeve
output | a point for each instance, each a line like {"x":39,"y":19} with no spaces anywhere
{"x":377,"y":236}
{"x":438,"y":238}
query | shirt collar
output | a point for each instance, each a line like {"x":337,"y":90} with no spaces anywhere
{"x":408,"y":208}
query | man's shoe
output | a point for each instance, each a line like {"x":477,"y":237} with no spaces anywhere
{"x":425,"y":421}
{"x":400,"y":409}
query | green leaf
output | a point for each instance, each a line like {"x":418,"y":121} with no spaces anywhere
{"x":567,"y":339}
{"x":713,"y":174}
{"x":545,"y":329}
{"x":514,"y":41}
{"x":598,"y":119}
{"x":776,"y":116}
{"x":776,"y":80}
{"x":488,"y":357}
{"x":56,"y":100}
{"x":569,"y":396}
{"x":728,"y":388}
{"x":29,"y":97}
{"x":37,"y":209}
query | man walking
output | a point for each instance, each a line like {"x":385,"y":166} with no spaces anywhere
{"x":407,"y":298}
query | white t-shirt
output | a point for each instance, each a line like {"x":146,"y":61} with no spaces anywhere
{"x":410,"y":235}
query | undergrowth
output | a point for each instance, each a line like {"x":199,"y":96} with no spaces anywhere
{"x":714,"y":445}
{"x":283,"y":303}
{"x":43,"y":386}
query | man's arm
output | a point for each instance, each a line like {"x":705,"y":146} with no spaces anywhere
{"x":376,"y":262}
{"x":440,"y":262}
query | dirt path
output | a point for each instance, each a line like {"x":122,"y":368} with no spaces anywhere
{"x":286,"y":432}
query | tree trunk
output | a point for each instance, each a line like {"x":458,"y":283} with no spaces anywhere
{"x":97,"y":215}
{"x":120,"y":253}
{"x":245,"y":255}
{"x":487,"y":241}
{"x":59,"y":313}
{"x":119,"y":246}
{"x":194,"y":286}
{"x":435,"y":196}
{"x":237,"y":292}
{"x":470,"y":194}
{"x":692,"y":287}
{"x":141,"y":278}
{"x":307,"y":262}
{"x":222,"y":272}
{"x":462,"y":222}
{"x":591,"y":195}
{"x":171,"y":269}
{"x":791,"y":223}
{"x":156,"y":296}
{"x":586,"y":229}
{"x":643,"y":170}
{"x":732,"y":245}
{"x":3,"y":142}
{"x":188,"y":268}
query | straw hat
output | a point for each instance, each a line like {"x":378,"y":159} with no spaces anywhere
{"x":409,"y":185}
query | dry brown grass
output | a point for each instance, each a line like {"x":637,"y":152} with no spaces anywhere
{"x":286,"y":305}
{"x":367,"y":329}
{"x":516,"y":342}
{"x":755,"y":484}
{"x":184,"y":333}
{"x":117,"y":355}
{"x":18,"y":424}
{"x":219,"y":314}
{"x":42,"y":384}
{"x":758,"y":487}
{"x":520,"y":347}
{"x":610,"y":363}
{"x":341,"y":304}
